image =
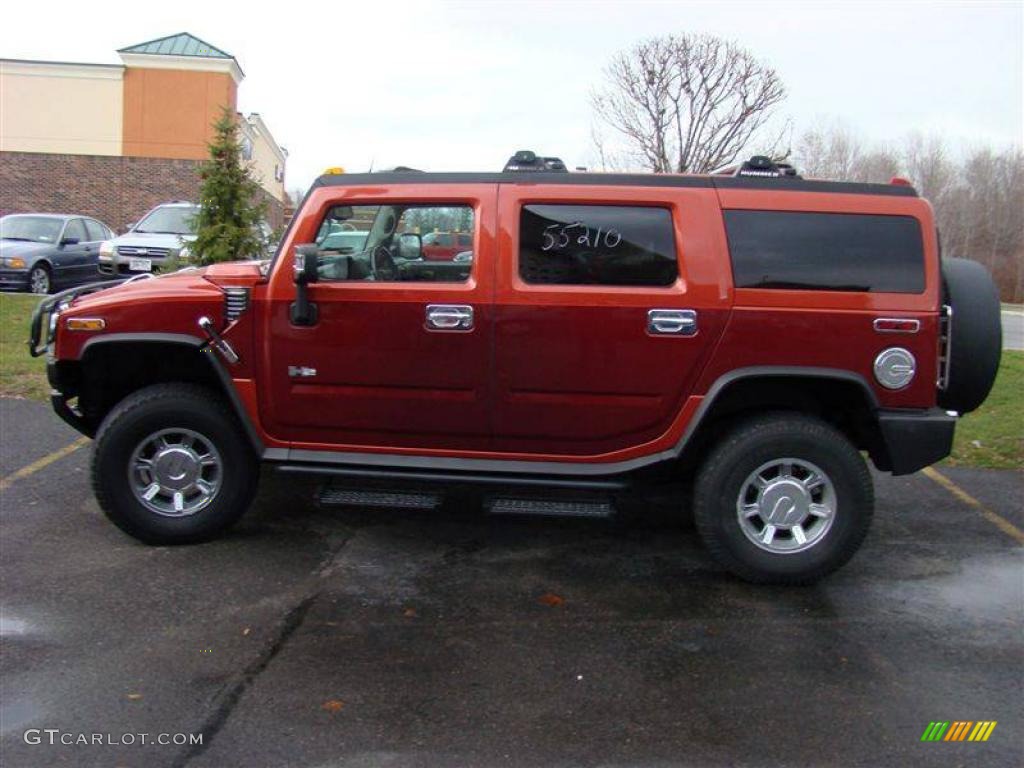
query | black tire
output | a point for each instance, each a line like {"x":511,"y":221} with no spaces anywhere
{"x":40,"y":280}
{"x":169,"y":407}
{"x":977,"y":334}
{"x":748,"y":447}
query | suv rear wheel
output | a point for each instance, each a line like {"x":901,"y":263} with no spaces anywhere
{"x":171,"y":465}
{"x":783,"y":499}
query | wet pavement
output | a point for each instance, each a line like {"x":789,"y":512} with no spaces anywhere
{"x":350,"y":637}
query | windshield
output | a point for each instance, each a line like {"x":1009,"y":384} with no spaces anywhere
{"x":35,"y":229}
{"x":169,"y":220}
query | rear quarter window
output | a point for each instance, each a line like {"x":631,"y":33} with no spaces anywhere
{"x":825,"y":251}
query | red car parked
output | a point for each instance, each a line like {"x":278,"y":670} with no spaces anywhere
{"x":442,"y":246}
{"x":743,"y":338}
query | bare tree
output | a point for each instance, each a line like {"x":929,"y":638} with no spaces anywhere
{"x":833,"y":152}
{"x":687,"y":103}
{"x":296,"y":195}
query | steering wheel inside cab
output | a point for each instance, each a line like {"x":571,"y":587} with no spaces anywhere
{"x":382,"y":264}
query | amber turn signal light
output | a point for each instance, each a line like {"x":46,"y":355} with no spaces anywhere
{"x":85,"y":324}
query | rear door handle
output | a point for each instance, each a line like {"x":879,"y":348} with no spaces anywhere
{"x":449,"y":317}
{"x":672,"y":322}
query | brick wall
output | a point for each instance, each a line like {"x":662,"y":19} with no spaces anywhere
{"x":115,"y":190}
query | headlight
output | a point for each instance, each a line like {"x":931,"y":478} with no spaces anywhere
{"x":14,"y":262}
{"x":106,"y":250}
{"x":184,"y":254}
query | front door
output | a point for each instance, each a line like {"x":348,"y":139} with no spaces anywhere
{"x":399,"y":357}
{"x":605,"y":313}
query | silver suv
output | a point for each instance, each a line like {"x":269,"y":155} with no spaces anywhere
{"x":161,"y":236}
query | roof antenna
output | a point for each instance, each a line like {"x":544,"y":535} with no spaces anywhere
{"x":371,"y":164}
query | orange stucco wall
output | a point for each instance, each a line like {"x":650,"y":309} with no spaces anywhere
{"x":170,"y":113}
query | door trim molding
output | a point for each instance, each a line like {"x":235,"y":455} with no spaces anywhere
{"x":578,"y":468}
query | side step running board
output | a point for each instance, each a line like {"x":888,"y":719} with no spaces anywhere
{"x":336,"y":496}
{"x":549,"y":508}
{"x":457,"y":478}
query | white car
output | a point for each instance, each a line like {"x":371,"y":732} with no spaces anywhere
{"x":160,"y":236}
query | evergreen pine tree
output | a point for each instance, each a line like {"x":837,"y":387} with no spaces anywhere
{"x":231,"y":202}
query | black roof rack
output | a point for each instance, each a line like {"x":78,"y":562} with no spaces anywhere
{"x":763,"y":167}
{"x":525,"y":160}
{"x":618,"y":179}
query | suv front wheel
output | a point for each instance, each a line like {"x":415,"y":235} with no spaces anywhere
{"x":171,"y":465}
{"x":783,"y":499}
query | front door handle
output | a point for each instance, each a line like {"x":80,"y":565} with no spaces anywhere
{"x":449,"y":317}
{"x":672,"y":322}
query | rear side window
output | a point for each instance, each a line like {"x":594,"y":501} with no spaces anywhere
{"x":76,"y":229}
{"x":596,"y":245}
{"x":825,"y":251}
{"x":96,"y":230}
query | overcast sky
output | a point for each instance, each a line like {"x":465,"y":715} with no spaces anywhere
{"x":460,"y":86}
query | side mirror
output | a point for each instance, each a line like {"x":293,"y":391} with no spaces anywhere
{"x":306,"y":266}
{"x":307,"y":262}
{"x":130,"y":226}
{"x":68,"y":241}
{"x":410,"y":246}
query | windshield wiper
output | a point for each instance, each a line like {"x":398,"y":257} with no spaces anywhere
{"x":19,"y":239}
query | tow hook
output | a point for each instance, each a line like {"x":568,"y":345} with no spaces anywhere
{"x":217,"y":341}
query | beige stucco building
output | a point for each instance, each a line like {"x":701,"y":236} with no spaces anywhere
{"x":158,"y":104}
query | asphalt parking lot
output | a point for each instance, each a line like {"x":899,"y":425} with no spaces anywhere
{"x":350,"y":637}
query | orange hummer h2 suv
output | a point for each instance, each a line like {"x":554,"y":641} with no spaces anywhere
{"x":746,"y":338}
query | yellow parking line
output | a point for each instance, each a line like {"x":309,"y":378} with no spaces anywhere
{"x":998,"y":521}
{"x":46,"y":461}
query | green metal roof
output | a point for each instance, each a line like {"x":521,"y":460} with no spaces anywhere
{"x":182,"y":44}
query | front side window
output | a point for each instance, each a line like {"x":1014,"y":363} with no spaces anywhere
{"x":597,"y":245}
{"x":169,"y":220}
{"x":825,"y":251}
{"x":395,"y":243}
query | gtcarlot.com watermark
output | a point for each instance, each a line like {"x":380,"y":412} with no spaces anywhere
{"x":57,"y":737}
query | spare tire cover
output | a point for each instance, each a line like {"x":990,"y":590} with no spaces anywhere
{"x":976,"y":334}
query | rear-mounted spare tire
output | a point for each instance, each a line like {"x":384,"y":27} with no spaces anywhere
{"x":976,"y":334}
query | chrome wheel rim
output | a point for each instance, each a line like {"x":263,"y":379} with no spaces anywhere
{"x":786,"y":506}
{"x":175,"y":472}
{"x":39,"y":281}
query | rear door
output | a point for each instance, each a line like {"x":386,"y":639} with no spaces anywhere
{"x":71,"y":261}
{"x":97,"y":233}
{"x":609,"y":302}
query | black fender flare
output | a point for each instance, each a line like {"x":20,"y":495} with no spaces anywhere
{"x":192,"y":342}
